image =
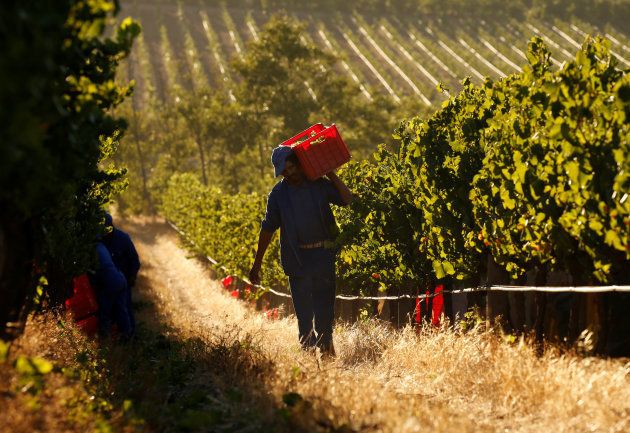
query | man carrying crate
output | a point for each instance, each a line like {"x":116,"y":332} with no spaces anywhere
{"x":300,"y":208}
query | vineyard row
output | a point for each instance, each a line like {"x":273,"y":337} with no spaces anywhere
{"x":187,"y":46}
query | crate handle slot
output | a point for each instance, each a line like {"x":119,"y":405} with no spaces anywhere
{"x":317,"y":141}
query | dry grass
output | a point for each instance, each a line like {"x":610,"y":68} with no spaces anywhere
{"x":382,"y":380}
{"x":66,"y":399}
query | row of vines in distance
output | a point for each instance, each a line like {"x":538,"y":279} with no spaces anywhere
{"x":216,"y":34}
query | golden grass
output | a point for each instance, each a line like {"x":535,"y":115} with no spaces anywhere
{"x":385,"y":380}
{"x":65,"y":399}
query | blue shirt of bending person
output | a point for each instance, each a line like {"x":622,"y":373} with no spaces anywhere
{"x":111,"y":285}
{"x":125,"y":257}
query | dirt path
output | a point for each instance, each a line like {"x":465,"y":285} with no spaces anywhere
{"x":384,"y":380}
{"x":187,"y":293}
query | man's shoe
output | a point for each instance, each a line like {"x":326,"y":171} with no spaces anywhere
{"x":328,"y":352}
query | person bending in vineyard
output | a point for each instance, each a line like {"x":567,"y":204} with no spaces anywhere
{"x":110,"y":284}
{"x":300,"y":208}
{"x":125,"y":257}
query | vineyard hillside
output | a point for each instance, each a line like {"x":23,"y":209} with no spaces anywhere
{"x":191,"y":44}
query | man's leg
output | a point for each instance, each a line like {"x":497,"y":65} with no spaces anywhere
{"x":324,"y":309}
{"x":132,"y":318}
{"x":301,"y":293}
{"x":121,"y":315}
{"x":105,"y":312}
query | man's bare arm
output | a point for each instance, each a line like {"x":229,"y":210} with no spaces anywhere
{"x":344,"y":191}
{"x":264,"y":239}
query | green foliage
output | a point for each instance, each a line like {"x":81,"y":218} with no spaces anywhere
{"x":57,"y":75}
{"x":445,"y":153}
{"x":4,"y":351}
{"x":222,"y":226}
{"x":75,"y":132}
{"x":275,"y":69}
{"x":552,"y":186}
{"x":532,"y":169}
{"x":32,"y":366}
{"x":381,"y":228}
{"x":472,"y":320}
{"x":30,"y":372}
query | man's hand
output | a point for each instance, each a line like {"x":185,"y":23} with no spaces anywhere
{"x":264,"y":238}
{"x":344,"y":192}
{"x":254,"y":275}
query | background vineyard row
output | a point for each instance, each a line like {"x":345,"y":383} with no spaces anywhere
{"x":191,"y":44}
{"x":528,"y":173}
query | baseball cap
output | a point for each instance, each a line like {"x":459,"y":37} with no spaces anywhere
{"x":279,"y":157}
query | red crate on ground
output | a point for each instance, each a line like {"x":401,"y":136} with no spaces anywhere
{"x":438,"y":305}
{"x":89,"y":325}
{"x":83,"y":301}
{"x":319,"y":149}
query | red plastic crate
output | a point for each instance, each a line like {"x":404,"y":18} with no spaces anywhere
{"x":89,"y":325}
{"x":83,"y":301}
{"x":319,"y":149}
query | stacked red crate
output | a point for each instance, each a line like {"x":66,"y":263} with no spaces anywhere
{"x":83,"y":305}
{"x":319,"y":149}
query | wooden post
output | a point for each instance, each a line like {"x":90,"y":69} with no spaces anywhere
{"x":540,"y":305}
{"x":497,"y":304}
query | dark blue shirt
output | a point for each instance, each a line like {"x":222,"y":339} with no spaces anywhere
{"x":306,"y":213}
{"x":123,"y":254}
{"x":107,"y":277}
{"x":304,"y":216}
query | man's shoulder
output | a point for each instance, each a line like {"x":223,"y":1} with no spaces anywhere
{"x":104,"y":256}
{"x":101,"y":248}
{"x":277,"y":188}
{"x":321,"y":184}
{"x":320,"y":181}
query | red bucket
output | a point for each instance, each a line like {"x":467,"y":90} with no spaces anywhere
{"x":319,"y":149}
